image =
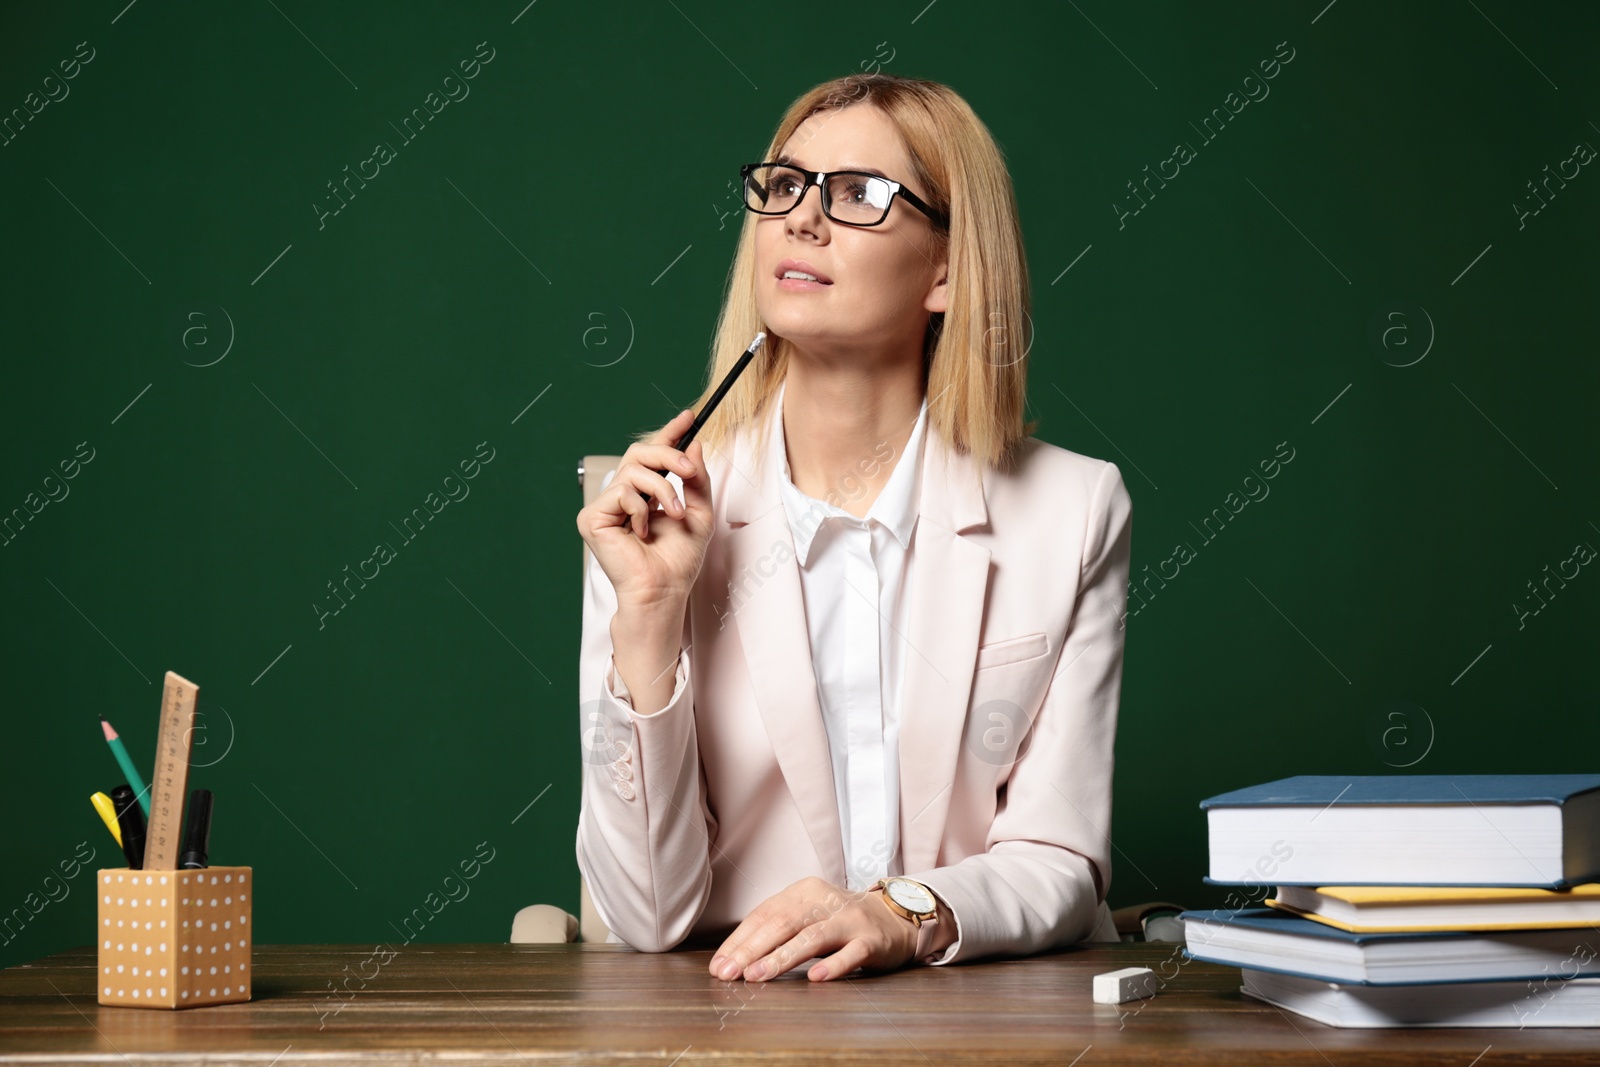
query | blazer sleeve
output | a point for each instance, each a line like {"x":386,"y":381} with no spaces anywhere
{"x":644,"y":829}
{"x":1047,"y":863}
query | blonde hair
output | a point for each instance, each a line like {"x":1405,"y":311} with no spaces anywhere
{"x":974,"y":354}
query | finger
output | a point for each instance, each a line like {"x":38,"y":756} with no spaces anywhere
{"x":725,"y":954}
{"x":643,"y":480}
{"x":673,"y":430}
{"x":853,"y":955}
{"x":740,"y":947}
{"x":668,"y":437}
{"x":697,"y":483}
{"x":774,"y":921}
{"x":635,"y":510}
{"x":766,"y":928}
{"x":656,"y":458}
{"x":609,"y":506}
{"x":817,"y":939}
{"x":775,"y":945}
{"x":606,"y":512}
{"x":666,"y":457}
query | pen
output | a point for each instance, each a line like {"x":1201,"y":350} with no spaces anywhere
{"x":108,"y":814}
{"x":197,"y":835}
{"x":128,"y":768}
{"x":132,"y":820}
{"x":716,"y":398}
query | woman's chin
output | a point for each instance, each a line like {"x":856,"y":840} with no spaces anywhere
{"x":801,"y":326}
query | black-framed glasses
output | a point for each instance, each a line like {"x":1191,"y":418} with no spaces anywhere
{"x":852,"y":197}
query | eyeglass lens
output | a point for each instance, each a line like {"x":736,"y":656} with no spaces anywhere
{"x":860,"y":199}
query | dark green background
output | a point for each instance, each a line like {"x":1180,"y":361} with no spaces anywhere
{"x":595,"y":150}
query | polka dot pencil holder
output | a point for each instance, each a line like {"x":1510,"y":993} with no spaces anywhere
{"x":174,"y":939}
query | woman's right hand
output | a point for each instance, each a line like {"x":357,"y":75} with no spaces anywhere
{"x":652,"y":557}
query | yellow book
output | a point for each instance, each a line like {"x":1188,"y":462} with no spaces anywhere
{"x":1370,"y":909}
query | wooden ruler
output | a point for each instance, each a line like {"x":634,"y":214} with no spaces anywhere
{"x":170,"y":785}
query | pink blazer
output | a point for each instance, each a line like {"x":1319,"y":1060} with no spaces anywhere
{"x":693,"y":815}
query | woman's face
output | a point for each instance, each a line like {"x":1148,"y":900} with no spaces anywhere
{"x":884,"y":280}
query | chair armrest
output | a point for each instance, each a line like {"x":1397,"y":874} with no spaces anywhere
{"x":543,"y":924}
{"x":1145,"y":921}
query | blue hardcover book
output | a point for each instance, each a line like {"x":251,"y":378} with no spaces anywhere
{"x":1540,"y":830}
{"x":1270,"y":940}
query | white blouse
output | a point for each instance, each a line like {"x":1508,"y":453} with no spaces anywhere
{"x":852,"y":579}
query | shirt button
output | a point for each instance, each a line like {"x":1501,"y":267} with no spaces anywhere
{"x":620,"y":772}
{"x":625,"y":791}
{"x":624,"y":751}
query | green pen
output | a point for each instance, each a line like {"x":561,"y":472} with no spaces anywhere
{"x":126,"y":763}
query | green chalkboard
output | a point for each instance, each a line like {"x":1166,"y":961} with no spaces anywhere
{"x":231,"y":369}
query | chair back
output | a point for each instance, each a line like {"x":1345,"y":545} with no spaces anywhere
{"x":592,"y":471}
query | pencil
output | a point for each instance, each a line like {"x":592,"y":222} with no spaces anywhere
{"x":716,"y":398}
{"x":128,"y":768}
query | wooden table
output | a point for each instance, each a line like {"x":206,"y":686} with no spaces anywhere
{"x":593,"y":1004}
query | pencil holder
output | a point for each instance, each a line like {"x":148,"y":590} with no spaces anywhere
{"x":174,"y":939}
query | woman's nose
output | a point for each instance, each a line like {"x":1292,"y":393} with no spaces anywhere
{"x":807,"y":213}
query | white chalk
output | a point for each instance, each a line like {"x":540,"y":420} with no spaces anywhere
{"x":1119,"y":987}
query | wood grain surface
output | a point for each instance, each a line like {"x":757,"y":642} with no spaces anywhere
{"x":602,"y":1004}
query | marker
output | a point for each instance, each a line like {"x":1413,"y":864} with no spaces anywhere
{"x":108,"y":814}
{"x":197,"y":835}
{"x":716,"y":398}
{"x":127,"y":765}
{"x":132,"y":820}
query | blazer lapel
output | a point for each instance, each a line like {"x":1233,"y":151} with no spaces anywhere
{"x":768,"y":607}
{"x":948,"y":584}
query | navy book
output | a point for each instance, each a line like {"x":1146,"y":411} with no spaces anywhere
{"x":1272,"y":940}
{"x":1538,"y":830}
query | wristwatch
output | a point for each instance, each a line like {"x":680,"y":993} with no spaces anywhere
{"x":909,"y":899}
{"x":915,"y":902}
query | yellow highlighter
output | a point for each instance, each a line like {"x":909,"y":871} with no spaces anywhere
{"x":108,"y":814}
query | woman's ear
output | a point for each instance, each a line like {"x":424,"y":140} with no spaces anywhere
{"x":937,"y":300}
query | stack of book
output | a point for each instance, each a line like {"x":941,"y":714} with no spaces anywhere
{"x":1411,"y":900}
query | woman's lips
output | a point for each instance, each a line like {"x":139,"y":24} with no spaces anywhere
{"x":801,"y":285}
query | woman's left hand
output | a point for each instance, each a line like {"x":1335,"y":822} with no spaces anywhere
{"x":813,"y":918}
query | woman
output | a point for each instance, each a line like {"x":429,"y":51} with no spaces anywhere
{"x":867,"y":627}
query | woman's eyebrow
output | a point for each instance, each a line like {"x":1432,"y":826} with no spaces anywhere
{"x":785,"y":158}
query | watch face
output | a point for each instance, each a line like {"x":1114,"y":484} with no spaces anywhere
{"x":912,"y":896}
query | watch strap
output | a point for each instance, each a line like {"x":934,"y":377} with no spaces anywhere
{"x":927,"y":929}
{"x":925,"y":935}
